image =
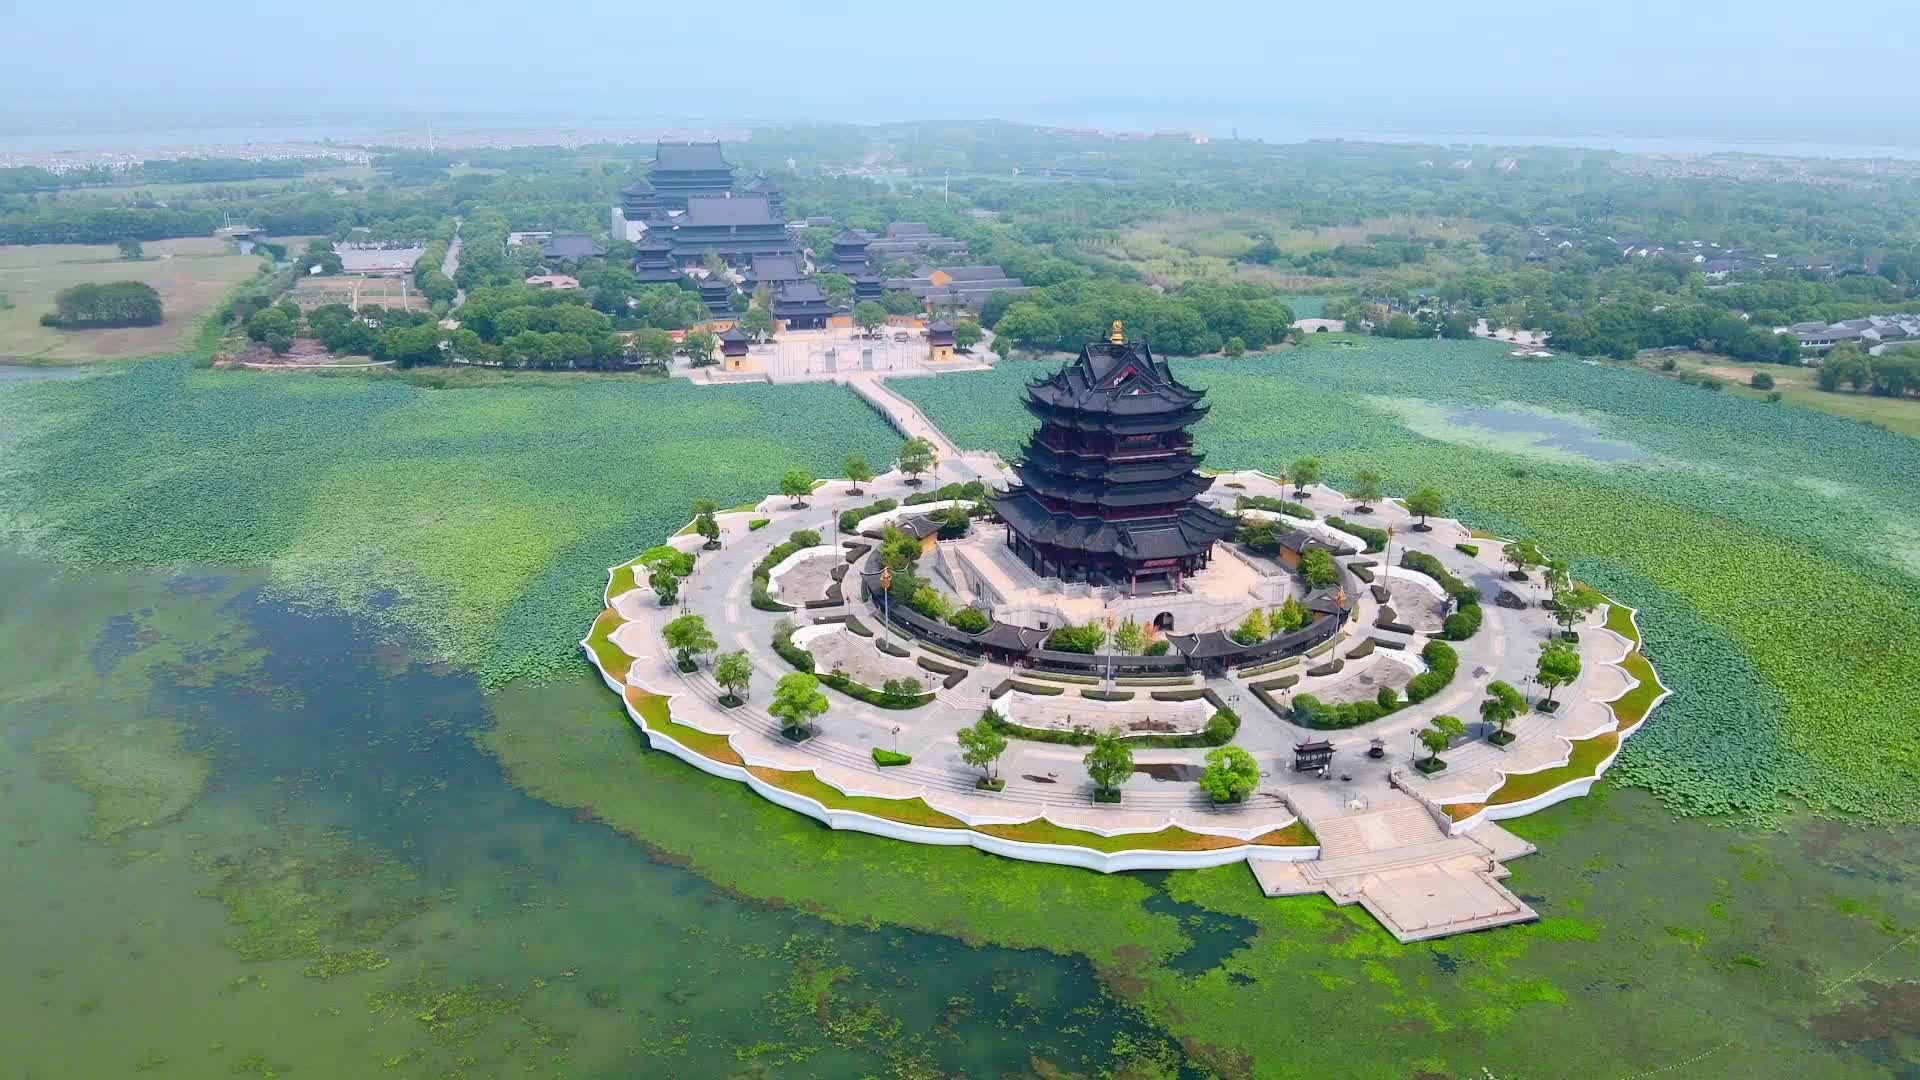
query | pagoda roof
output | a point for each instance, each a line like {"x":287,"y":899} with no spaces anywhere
{"x":851,"y":237}
{"x":1040,"y":456}
{"x":689,"y":157}
{"x":1115,"y":379}
{"x":724,"y":210}
{"x":732,"y":335}
{"x":638,"y":187}
{"x":1189,"y":532}
{"x":1104,"y":493}
{"x":940,"y":326}
{"x":712,"y":284}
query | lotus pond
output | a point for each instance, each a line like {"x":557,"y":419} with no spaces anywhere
{"x":247,"y":833}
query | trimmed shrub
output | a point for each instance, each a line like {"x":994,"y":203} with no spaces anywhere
{"x":1430,"y":566}
{"x":850,"y":519}
{"x":858,"y":627}
{"x":1331,"y":667}
{"x":1365,"y":648}
{"x":1221,"y":727}
{"x":757,"y":524}
{"x":1442,"y":662}
{"x":1107,"y":695}
{"x":885,"y":758}
{"x":969,"y":620}
{"x":1280,"y":683}
{"x":891,"y":649}
{"x":1375,"y":539}
{"x":1463,"y":624}
{"x":1467,"y":549}
{"x":1191,"y":693}
{"x":972,"y":489}
{"x":1273,"y":506}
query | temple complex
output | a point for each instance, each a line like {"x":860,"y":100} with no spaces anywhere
{"x":1108,"y":484}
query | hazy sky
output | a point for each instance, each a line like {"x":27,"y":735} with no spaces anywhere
{"x":864,"y":60}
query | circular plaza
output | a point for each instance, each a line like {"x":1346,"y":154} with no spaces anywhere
{"x":1107,"y":657}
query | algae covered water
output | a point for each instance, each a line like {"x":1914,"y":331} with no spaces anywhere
{"x":242,"y":840}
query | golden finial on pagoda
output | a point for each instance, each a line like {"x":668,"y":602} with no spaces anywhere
{"x":1118,"y":335}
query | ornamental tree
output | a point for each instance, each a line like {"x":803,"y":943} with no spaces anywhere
{"x":666,"y":585}
{"x":1571,"y":607}
{"x":1231,"y":774}
{"x":1306,"y":473}
{"x":1253,"y":629}
{"x":796,"y":701}
{"x":757,"y":323}
{"x":689,"y":637}
{"x":1426,"y":502}
{"x":1129,"y":638}
{"x":733,"y":671}
{"x":858,"y":471}
{"x":917,"y":455}
{"x":797,"y":484}
{"x":1109,"y":762}
{"x":706,"y":525}
{"x":982,"y":744}
{"x":1559,"y":666}
{"x":1504,"y":704}
{"x":1366,"y":490}
{"x":869,"y":316}
{"x":1523,"y":555}
{"x":967,"y":334}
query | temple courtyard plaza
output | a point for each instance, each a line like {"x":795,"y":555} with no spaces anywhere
{"x":1421,"y":854}
{"x":835,"y":352}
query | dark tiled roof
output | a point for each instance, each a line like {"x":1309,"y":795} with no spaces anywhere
{"x":571,"y":246}
{"x":800,"y":292}
{"x":708,"y":210}
{"x":775,"y":268}
{"x":689,"y":156}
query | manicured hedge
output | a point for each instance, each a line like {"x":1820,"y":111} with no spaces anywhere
{"x":1191,"y":693}
{"x":1430,"y":566}
{"x":850,"y":519}
{"x":758,"y":523}
{"x":858,"y":627}
{"x":1107,"y":695}
{"x":972,"y":489}
{"x":1273,"y":706}
{"x":885,"y":758}
{"x":1386,"y":644}
{"x":1361,"y":572}
{"x":1330,"y":668}
{"x":954,"y":676}
{"x":1442,"y":662}
{"x":861,"y":692}
{"x":1273,"y":506}
{"x":1221,"y":728}
{"x":1365,"y":648}
{"x":1467,"y":549}
{"x":1247,"y":673}
{"x":800,"y":538}
{"x":1463,"y":624}
{"x":888,"y":647}
{"x":1005,"y":685}
{"x":1376,"y":539}
{"x":1280,"y":683}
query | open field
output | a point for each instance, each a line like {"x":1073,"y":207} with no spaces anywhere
{"x":118,"y":192}
{"x":1797,"y":386}
{"x":192,"y":275}
{"x":1205,"y":247}
{"x":358,"y":291}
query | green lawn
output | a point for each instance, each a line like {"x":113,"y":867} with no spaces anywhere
{"x":191,"y":275}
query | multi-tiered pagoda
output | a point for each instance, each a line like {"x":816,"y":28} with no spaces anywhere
{"x":1108,"y":483}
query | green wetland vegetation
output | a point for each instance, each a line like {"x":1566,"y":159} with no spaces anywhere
{"x":302,"y":775}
